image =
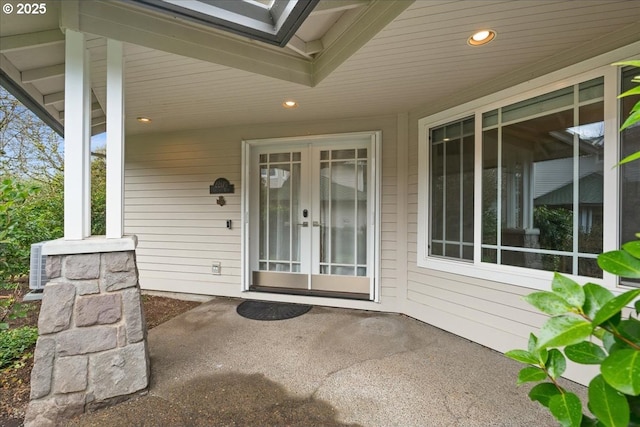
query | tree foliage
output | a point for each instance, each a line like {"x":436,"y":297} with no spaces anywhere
{"x":32,"y":186}
{"x":29,"y":150}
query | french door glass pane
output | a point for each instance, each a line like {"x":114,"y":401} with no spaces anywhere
{"x":280,"y":213}
{"x":361,"y":212}
{"x":279,"y":236}
{"x":343,"y":209}
{"x":325,"y":210}
{"x":343,"y":212}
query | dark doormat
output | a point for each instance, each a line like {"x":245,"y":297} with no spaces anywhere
{"x":267,"y":310}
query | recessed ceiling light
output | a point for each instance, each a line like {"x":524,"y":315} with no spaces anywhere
{"x":481,"y":37}
{"x":290,"y":104}
{"x":144,"y":119}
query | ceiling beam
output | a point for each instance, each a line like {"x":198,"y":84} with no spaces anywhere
{"x":43,"y":73}
{"x":356,"y":34}
{"x":298,"y":45}
{"x":31,"y":40}
{"x":97,"y":121}
{"x":306,"y":49}
{"x":95,"y":107}
{"x":314,"y":46}
{"x":28,"y":95}
{"x":52,"y":98}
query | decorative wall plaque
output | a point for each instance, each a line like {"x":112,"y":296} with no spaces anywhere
{"x":221,"y":186}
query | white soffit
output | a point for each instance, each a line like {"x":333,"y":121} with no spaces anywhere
{"x":134,"y":24}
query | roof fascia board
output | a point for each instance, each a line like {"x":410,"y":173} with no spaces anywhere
{"x":121,"y":22}
{"x":31,"y":40}
{"x":369,"y":23}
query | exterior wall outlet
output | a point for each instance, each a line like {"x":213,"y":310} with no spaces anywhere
{"x":216,"y":267}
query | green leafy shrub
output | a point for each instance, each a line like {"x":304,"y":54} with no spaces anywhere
{"x":13,"y":195}
{"x":11,"y":309}
{"x":15,"y":342}
{"x":588,"y":322}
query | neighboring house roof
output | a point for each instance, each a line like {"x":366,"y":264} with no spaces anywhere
{"x":350,"y":58}
{"x":553,"y":174}
{"x":590,"y":192}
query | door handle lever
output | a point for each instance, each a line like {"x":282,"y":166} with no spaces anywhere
{"x":317,"y":224}
{"x":304,"y":224}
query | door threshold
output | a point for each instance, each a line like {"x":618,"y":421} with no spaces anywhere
{"x":310,"y":293}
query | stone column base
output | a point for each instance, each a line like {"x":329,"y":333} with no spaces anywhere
{"x":92,"y":348}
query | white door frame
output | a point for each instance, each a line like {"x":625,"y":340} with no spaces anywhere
{"x":376,"y":171}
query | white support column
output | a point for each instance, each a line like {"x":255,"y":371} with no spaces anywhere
{"x":77,"y":142}
{"x":115,"y":140}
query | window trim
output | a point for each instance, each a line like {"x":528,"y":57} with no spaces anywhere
{"x":525,"y":277}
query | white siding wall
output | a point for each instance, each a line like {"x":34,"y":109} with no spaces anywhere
{"x":181,"y":229}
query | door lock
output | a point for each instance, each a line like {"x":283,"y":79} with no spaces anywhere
{"x":305,"y":213}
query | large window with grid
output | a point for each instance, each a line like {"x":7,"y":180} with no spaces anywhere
{"x":514,"y":190}
{"x":542,"y":180}
{"x":451,"y":193}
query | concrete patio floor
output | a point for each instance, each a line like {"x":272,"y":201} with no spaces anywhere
{"x":329,"y":367}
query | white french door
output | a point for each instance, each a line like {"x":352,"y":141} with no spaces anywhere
{"x":312,"y":217}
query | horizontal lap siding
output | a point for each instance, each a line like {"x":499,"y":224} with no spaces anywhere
{"x":180,"y":228}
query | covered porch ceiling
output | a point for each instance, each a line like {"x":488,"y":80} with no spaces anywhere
{"x":350,"y":58}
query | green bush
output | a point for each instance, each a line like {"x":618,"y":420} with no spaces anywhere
{"x":15,"y":342}
{"x":588,"y":324}
{"x":13,"y":196}
{"x":36,"y":213}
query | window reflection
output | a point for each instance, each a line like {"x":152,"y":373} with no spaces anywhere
{"x":543,"y":181}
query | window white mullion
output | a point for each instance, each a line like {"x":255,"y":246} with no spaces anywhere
{"x":293,"y":221}
{"x":355,"y":214}
{"x":576,"y":179}
{"x":267,"y":233}
{"x":499,"y":191}
{"x":444,"y":197}
{"x":477,"y":190}
{"x":461,"y":193}
{"x":611,"y":202}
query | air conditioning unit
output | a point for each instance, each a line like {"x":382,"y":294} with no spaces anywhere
{"x":37,"y":271}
